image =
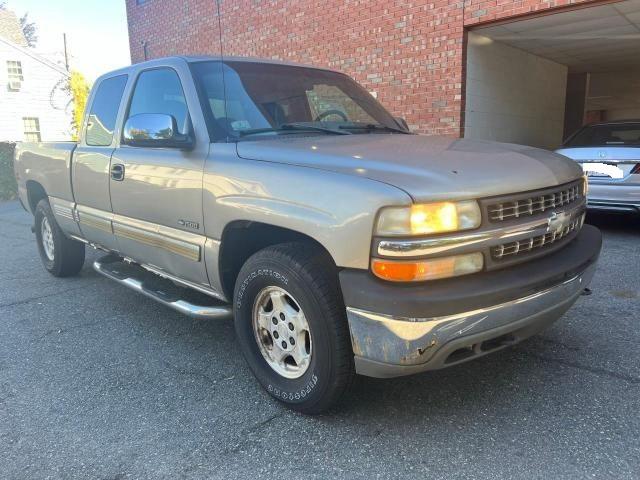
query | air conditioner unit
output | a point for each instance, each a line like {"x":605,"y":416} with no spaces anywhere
{"x":15,"y":85}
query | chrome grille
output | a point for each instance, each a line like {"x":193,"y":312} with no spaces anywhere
{"x":528,"y":244}
{"x":531,"y":205}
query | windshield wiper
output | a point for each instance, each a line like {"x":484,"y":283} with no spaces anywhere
{"x":287,"y":127}
{"x":374,"y":126}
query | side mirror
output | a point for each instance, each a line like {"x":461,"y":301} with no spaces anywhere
{"x":155,"y":130}
{"x":403,"y":123}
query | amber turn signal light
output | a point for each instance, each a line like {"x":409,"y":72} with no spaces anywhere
{"x":415,"y":271}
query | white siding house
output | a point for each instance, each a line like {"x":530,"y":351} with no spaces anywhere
{"x":34,"y":102}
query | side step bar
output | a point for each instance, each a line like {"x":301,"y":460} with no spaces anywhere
{"x":184,"y":300}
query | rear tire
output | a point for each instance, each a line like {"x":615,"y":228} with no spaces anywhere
{"x":292,"y":328}
{"x":61,"y":256}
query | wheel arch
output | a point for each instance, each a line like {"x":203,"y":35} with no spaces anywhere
{"x":35,"y":193}
{"x":242,"y":238}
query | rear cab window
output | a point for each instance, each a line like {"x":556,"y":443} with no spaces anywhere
{"x":104,"y":110}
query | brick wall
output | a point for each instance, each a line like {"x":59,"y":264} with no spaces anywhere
{"x":410,"y":52}
{"x":170,"y":28}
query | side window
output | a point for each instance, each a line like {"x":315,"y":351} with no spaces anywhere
{"x":104,"y":109}
{"x":160,"y":91}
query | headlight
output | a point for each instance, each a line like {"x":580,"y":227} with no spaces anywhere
{"x":427,"y":218}
{"x":420,"y":270}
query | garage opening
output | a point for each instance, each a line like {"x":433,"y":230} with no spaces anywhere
{"x":536,"y":81}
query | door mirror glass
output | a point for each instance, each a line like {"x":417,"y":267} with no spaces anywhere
{"x":155,"y":130}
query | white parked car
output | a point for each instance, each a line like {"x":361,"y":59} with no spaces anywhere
{"x":609,"y":153}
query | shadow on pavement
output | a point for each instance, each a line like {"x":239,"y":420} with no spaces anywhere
{"x":615,"y":222}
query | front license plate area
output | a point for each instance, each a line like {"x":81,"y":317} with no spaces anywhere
{"x":602,"y":170}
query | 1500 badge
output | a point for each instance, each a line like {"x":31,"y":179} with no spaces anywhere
{"x":189,"y":224}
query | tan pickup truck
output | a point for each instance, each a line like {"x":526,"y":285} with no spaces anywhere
{"x":287,"y":197}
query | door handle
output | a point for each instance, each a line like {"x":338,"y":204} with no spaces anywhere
{"x":117,"y":172}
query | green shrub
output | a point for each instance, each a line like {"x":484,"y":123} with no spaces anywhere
{"x":8,"y":186}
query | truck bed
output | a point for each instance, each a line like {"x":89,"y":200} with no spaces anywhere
{"x":47,"y":163}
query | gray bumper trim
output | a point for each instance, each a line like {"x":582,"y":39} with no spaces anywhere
{"x":387,"y":346}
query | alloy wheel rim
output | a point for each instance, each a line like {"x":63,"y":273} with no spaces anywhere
{"x":47,"y":239}
{"x":282,"y":332}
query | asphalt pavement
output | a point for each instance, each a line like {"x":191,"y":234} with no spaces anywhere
{"x":97,"y":381}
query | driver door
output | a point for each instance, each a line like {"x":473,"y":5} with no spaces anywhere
{"x":156,"y":193}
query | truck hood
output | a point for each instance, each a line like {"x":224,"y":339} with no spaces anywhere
{"x":428,"y":168}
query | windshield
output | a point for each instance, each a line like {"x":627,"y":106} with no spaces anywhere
{"x":265,"y":99}
{"x":627,"y":134}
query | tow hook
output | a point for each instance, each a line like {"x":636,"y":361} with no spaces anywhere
{"x":586,"y":292}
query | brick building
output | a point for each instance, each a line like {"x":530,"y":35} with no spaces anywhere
{"x":449,"y":67}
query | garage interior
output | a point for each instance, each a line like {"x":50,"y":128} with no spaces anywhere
{"x":536,"y":81}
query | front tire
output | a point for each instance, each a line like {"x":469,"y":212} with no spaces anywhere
{"x":61,"y":256}
{"x":291,"y":324}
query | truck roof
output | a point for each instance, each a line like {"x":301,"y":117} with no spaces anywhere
{"x":202,"y":58}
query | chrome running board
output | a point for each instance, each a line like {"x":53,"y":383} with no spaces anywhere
{"x":184,"y":300}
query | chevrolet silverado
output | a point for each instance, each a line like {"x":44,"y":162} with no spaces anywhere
{"x":288,"y":198}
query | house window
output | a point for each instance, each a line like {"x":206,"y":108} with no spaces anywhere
{"x":31,"y":129}
{"x":14,"y":74}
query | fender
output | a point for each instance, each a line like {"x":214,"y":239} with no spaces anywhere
{"x":336,"y":210}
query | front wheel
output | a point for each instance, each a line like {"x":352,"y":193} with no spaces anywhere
{"x":61,"y":256}
{"x":291,"y":325}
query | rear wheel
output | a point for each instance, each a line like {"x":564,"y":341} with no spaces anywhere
{"x":61,"y":256}
{"x":291,"y":325}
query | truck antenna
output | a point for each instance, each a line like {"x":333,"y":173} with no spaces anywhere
{"x":219,"y":28}
{"x":224,"y":83}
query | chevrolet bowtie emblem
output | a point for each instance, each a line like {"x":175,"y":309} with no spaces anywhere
{"x":557,"y":221}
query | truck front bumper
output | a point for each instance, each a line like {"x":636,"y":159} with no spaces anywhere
{"x":404,"y":329}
